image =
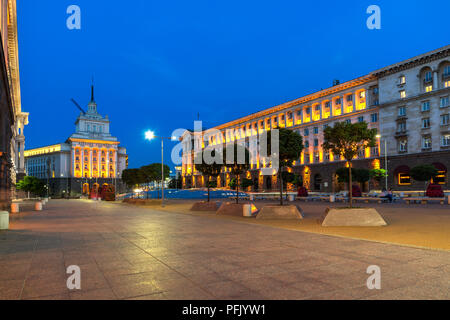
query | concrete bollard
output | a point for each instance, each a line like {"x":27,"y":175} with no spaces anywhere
{"x":332,"y":198}
{"x":4,"y":220}
{"x":38,"y":206}
{"x":247,"y":210}
{"x":15,"y":208}
{"x":291,"y":197}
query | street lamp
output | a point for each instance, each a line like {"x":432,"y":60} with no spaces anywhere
{"x":150,"y":135}
{"x":385,"y":160}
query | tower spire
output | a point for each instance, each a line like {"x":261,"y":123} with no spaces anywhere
{"x":92,"y":90}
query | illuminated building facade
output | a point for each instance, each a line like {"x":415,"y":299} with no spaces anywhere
{"x":90,"y":157}
{"x":12,"y":119}
{"x":355,"y":100}
{"x":408,"y":103}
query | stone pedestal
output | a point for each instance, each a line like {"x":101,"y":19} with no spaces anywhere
{"x":4,"y":220}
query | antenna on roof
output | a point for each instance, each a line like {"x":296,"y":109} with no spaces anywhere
{"x":335,"y":82}
{"x":78,"y":106}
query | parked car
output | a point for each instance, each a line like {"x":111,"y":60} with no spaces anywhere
{"x":434,"y":191}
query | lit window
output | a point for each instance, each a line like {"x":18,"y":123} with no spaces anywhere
{"x":426,"y":142}
{"x":428,"y":88}
{"x":445,"y":140}
{"x":402,"y":94}
{"x":402,"y":80}
{"x":403,"y":146}
{"x":447,"y":84}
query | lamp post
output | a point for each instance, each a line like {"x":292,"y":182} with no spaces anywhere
{"x":385,"y":160}
{"x":150,"y":135}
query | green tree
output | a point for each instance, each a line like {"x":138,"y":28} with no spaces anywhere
{"x":132,"y":177}
{"x":290,"y":148}
{"x":238,"y":162}
{"x":245,"y":183}
{"x":424,"y":172}
{"x":377,"y":175}
{"x":232,"y":183}
{"x":348,"y":140}
{"x":209,"y":170}
{"x":358,"y":175}
{"x":32,"y":185}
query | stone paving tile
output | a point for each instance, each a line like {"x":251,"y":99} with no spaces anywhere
{"x":135,"y":290}
{"x":128,"y":252}
{"x":96,"y":294}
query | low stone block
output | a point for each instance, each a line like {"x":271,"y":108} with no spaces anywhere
{"x":4,"y":220}
{"x":275,"y":212}
{"x":352,"y":217}
{"x":231,"y":209}
{"x":205,"y":206}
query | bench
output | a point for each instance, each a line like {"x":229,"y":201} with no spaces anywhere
{"x":368,"y":199}
{"x":423,"y":200}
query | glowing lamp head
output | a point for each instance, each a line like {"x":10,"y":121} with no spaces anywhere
{"x":378,"y":136}
{"x":149,"y":135}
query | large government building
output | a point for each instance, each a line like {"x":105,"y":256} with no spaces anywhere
{"x":91,"y":157}
{"x":408,"y":103}
{"x":12,"y":119}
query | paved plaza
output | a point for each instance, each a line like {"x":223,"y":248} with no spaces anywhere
{"x":127,"y":252}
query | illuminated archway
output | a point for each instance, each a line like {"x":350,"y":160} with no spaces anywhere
{"x":86,"y":188}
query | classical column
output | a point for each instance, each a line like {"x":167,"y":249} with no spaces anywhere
{"x":116,"y":165}
{"x":91,"y":167}
{"x":342,"y":104}
{"x":435,"y":79}
{"x":353,"y":101}
{"x":72,"y":165}
{"x":107,"y":163}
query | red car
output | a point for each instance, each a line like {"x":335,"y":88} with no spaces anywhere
{"x":434,"y":191}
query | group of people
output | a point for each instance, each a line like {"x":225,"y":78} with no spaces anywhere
{"x":387,"y":194}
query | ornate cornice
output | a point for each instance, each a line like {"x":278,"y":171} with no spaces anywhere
{"x":316,"y":95}
{"x":413,"y":62}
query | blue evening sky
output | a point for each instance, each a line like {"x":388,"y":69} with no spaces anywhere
{"x":158,"y":63}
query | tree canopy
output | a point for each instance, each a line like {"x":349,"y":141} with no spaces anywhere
{"x":423,"y":172}
{"x":33,"y":185}
{"x":348,"y":140}
{"x":290,"y":146}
